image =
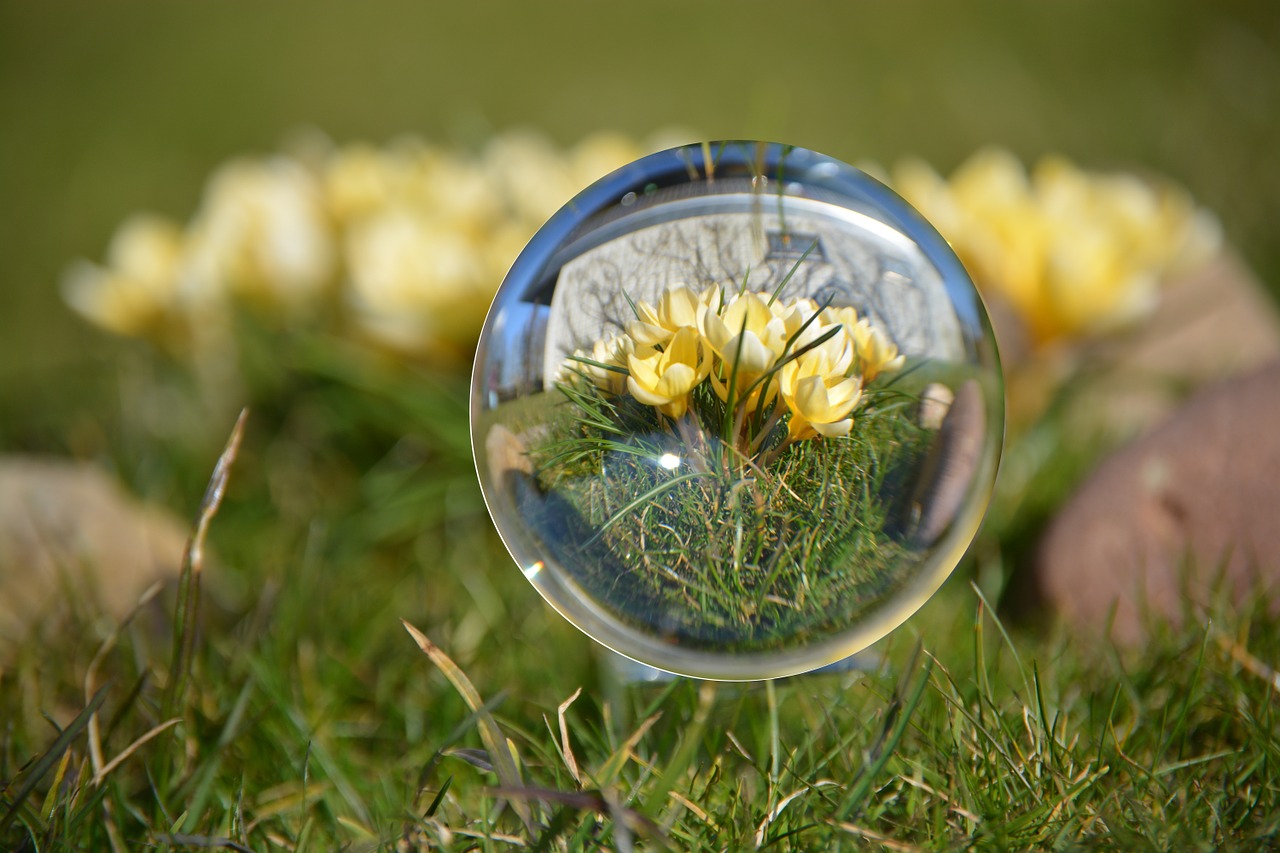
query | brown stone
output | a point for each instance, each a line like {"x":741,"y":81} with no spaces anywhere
{"x":935,"y":402}
{"x":1209,"y":323}
{"x":1214,"y":322}
{"x":1190,"y":510}
{"x":70,"y":534}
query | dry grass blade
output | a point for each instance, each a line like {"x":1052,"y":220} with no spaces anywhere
{"x":206,"y":842}
{"x":871,"y":835}
{"x":91,"y":673}
{"x":897,"y":716}
{"x":184,"y":637}
{"x":689,"y":804}
{"x":494,"y":741}
{"x":51,"y":798}
{"x":783,"y":803}
{"x":487,"y":836}
{"x":1248,"y":662}
{"x":99,"y":775}
{"x":690,"y":739}
{"x":963,"y":812}
{"x":570,"y":761}
{"x":618,"y":759}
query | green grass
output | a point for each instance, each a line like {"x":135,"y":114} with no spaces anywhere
{"x":302,"y":716}
{"x":719,"y":552}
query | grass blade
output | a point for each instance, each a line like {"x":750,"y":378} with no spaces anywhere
{"x":777,"y":291}
{"x":657,"y":490}
{"x":494,"y":740}
{"x":897,"y":717}
{"x":184,"y":637}
{"x":52,"y":756}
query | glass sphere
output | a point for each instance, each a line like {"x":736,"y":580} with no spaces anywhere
{"x":737,"y":410}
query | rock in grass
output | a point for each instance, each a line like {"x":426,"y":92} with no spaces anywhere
{"x":1191,"y":509}
{"x":1209,"y":324}
{"x":71,"y":538}
{"x":947,"y":473}
{"x":935,"y":402}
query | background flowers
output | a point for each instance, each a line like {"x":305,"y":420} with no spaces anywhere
{"x":1073,"y":252}
{"x":402,"y":245}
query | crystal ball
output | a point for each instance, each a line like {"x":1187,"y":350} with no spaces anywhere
{"x":737,"y":410}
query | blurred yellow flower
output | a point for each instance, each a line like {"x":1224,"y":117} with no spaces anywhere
{"x":262,"y":232}
{"x":413,"y":283}
{"x":530,"y":174}
{"x":875,"y":352}
{"x":612,"y":351}
{"x":1074,"y":253}
{"x":136,"y":292}
{"x":599,"y":154}
{"x":664,"y":378}
{"x":414,"y":237}
{"x":359,"y":180}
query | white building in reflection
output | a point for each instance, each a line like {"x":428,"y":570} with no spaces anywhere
{"x":852,"y":260}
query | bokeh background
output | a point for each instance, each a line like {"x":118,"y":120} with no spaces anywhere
{"x":107,"y":108}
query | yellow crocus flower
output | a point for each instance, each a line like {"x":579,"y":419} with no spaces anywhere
{"x":821,"y":397}
{"x":748,"y":338}
{"x":677,"y":307}
{"x":610,"y":351}
{"x":138,"y":290}
{"x":795,"y":316}
{"x":663,"y":378}
{"x":263,"y":232}
{"x":412,"y":282}
{"x":1073,"y":252}
{"x":846,"y":316}
{"x":876,"y":353}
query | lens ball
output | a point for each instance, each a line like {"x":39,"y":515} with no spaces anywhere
{"x":737,"y":410}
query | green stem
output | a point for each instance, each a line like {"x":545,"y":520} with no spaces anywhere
{"x":779,"y":409}
{"x":692,"y":437}
{"x":773,"y":455}
{"x":739,"y":421}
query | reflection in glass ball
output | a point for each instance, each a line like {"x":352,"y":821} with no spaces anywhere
{"x":737,"y":410}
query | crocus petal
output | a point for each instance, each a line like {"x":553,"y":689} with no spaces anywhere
{"x":678,"y":380}
{"x":750,"y":354}
{"x":648,"y":334}
{"x":679,"y":307}
{"x":833,"y":430}
{"x":644,"y":395}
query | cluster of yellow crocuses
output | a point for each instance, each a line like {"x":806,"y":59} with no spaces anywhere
{"x":1074,"y":253}
{"x":763,"y":356}
{"x":402,"y":244}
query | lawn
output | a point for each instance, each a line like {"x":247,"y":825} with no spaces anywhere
{"x":314,"y":718}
